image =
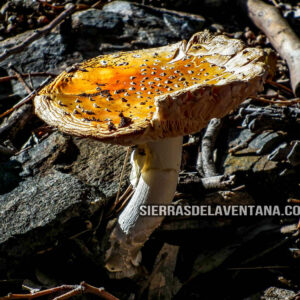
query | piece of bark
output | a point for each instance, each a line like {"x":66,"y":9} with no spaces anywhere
{"x":268,"y":19}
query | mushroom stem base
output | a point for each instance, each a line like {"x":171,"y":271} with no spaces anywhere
{"x":156,"y":185}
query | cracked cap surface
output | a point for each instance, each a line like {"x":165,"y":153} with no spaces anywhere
{"x":137,"y":96}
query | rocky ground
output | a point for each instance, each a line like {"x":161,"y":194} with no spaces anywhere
{"x":55,"y":190}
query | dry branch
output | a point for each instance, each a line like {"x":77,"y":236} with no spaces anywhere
{"x":38,"y":33}
{"x":68,"y":292}
{"x":278,"y":102}
{"x":268,"y":19}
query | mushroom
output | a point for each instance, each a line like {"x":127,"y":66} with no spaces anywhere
{"x":151,"y":98}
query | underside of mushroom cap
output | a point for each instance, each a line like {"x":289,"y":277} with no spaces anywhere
{"x":133,"y":97}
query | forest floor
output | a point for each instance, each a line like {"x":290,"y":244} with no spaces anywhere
{"x":53,"y":198}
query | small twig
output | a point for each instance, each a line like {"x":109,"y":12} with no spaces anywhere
{"x":34,"y":74}
{"x":294,"y":201}
{"x":98,"y":291}
{"x":38,"y":294}
{"x":76,"y":235}
{"x":238,"y":188}
{"x":72,"y":290}
{"x":278,"y":102}
{"x":275,"y":3}
{"x":124,"y":202}
{"x":122,"y":175}
{"x":38,"y":33}
{"x":125,"y":194}
{"x":76,"y":291}
{"x":99,"y":222}
{"x":97,"y":4}
{"x":21,"y":79}
{"x":121,"y":199}
{"x":279,"y":85}
{"x":114,"y":210}
{"x":207,"y":146}
{"x":27,"y":98}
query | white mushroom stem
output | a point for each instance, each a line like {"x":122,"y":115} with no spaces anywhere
{"x":159,"y":163}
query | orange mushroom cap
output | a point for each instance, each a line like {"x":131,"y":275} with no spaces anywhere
{"x":133,"y":97}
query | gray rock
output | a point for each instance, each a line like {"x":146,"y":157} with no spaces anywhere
{"x":33,"y":160}
{"x":127,"y":26}
{"x":94,"y":163}
{"x":250,"y":158}
{"x":41,"y":211}
{"x":238,"y":137}
{"x":94,"y":27}
{"x":51,"y":185}
{"x":280,"y":152}
{"x":93,"y":20}
{"x":99,"y":165}
{"x":266,"y":141}
{"x":138,"y":13}
{"x":289,"y":152}
{"x":43,"y":155}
